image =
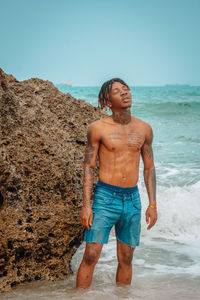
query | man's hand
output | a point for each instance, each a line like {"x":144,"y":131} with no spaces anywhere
{"x":86,"y":217}
{"x":151,"y":217}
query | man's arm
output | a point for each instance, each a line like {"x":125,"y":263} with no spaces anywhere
{"x":149,"y":177}
{"x":91,"y":151}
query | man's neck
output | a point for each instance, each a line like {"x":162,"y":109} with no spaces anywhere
{"x":122,"y":117}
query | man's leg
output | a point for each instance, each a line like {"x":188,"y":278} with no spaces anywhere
{"x":124,"y":270}
{"x":86,"y":269}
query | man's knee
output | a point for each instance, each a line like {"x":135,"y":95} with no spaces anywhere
{"x":91,"y":256}
{"x":126,"y":258}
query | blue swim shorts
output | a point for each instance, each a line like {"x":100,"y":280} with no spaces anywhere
{"x":119,"y":206}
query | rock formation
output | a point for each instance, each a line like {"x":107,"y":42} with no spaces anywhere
{"x":43,"y":137}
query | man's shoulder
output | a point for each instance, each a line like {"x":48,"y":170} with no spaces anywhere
{"x":145,"y":128}
{"x":98,"y":123}
{"x":97,"y":127}
{"x":141,"y":122}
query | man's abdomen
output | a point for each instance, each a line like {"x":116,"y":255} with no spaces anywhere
{"x":119,"y":170}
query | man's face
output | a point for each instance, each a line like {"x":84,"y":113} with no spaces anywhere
{"x":120,"y":96}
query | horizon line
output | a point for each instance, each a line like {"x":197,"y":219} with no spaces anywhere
{"x":163,"y":85}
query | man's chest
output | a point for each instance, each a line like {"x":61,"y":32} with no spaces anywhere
{"x":116,"y":140}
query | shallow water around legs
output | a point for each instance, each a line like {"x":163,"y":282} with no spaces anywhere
{"x":162,"y":269}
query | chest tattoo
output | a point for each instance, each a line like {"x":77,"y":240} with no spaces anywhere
{"x":115,"y":135}
{"x":135,"y":140}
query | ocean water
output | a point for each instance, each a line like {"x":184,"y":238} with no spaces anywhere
{"x":167,"y":262}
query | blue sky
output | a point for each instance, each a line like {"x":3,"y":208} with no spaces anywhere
{"x":144,"y":42}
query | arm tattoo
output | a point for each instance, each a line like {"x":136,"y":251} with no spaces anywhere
{"x":149,"y":151}
{"x":88,"y":179}
{"x":149,"y":170}
{"x":153,"y":182}
{"x":150,"y":182}
{"x":88,"y":176}
{"x":148,"y":146}
{"x":89,"y":152}
{"x":146,"y":179}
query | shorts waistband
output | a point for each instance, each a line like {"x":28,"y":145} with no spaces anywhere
{"x":117,"y":188}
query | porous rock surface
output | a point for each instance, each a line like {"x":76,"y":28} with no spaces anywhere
{"x":43,"y":138}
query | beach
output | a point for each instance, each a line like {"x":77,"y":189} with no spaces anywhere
{"x":167,"y":262}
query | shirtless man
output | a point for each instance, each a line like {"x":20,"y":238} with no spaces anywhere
{"x":119,"y":140}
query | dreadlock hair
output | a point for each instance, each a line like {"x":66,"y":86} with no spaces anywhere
{"x":104,"y":93}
